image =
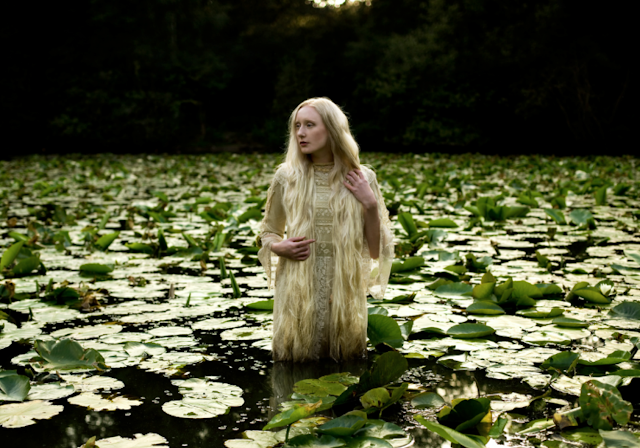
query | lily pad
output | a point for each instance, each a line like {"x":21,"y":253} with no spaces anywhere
{"x":98,"y":403}
{"x":627,"y":310}
{"x":18,"y":415}
{"x":468,"y":331}
{"x":149,"y":440}
{"x":67,"y":354}
{"x":454,"y":290}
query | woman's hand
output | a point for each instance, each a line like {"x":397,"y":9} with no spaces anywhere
{"x":357,"y":184}
{"x":296,"y":248}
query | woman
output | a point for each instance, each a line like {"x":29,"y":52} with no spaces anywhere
{"x":336,"y":224}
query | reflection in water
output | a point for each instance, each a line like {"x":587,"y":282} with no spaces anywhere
{"x":284,"y":375}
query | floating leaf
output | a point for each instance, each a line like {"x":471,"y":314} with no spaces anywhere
{"x":293,"y":415}
{"x":408,"y":264}
{"x":18,"y":415}
{"x":454,"y":290}
{"x":67,"y":354}
{"x":602,"y":405}
{"x":556,"y":215}
{"x":449,"y":434}
{"x":345,"y":425}
{"x":468,"y":331}
{"x":149,"y":440}
{"x":10,"y":254}
{"x":619,"y":439}
{"x":105,"y":241}
{"x":442,"y":222}
{"x":563,"y":362}
{"x":427,"y":400}
{"x":627,"y":310}
{"x":13,"y":387}
{"x":384,"y":329}
{"x":98,"y":403}
{"x":485,"y":308}
{"x":569,"y":322}
{"x":262,"y":305}
{"x":96,"y":268}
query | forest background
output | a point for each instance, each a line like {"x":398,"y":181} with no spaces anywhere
{"x":550,"y":76}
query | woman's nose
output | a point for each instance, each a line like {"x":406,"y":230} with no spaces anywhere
{"x":300,"y":131}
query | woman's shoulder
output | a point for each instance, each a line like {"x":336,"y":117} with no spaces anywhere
{"x":282,"y":174}
{"x":368,"y":172}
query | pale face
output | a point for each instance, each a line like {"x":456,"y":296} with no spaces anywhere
{"x":312,"y":135}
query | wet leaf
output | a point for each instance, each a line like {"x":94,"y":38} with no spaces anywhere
{"x":619,"y":439}
{"x":384,"y":329}
{"x":19,"y":415}
{"x":262,"y":305}
{"x":442,"y":222}
{"x":556,"y":215}
{"x":467,"y":331}
{"x":96,"y":268}
{"x":569,"y":322}
{"x":10,"y":255}
{"x":627,"y":310}
{"x":427,"y":400}
{"x":345,"y":425}
{"x":311,"y":441}
{"x":563,"y":362}
{"x":319,"y":387}
{"x":98,"y":403}
{"x":149,"y":440}
{"x":485,"y":308}
{"x":602,"y":404}
{"x":408,"y":264}
{"x":13,"y":387}
{"x":454,"y":290}
{"x":105,"y":241}
{"x":449,"y":434}
{"x":293,"y":415}
{"x":67,"y":354}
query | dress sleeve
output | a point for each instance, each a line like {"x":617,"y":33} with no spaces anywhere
{"x":272,"y":231}
{"x":379,"y":276}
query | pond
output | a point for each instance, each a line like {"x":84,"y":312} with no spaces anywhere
{"x":133,"y":308}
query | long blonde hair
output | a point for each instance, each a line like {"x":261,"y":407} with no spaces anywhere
{"x":348,"y":239}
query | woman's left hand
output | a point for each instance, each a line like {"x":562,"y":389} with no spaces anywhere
{"x":357,"y":184}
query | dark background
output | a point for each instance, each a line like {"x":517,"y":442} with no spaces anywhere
{"x":548,"y":76}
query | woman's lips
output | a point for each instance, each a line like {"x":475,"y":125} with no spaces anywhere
{"x":304,"y":143}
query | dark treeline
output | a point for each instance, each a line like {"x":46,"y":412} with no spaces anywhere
{"x":164,"y":74}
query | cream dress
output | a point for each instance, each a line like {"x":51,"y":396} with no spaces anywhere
{"x":323,"y":273}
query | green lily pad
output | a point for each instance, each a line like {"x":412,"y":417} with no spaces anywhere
{"x":442,"y":222}
{"x":449,"y":434}
{"x":96,"y":268}
{"x":627,"y":310}
{"x":293,"y":415}
{"x":619,"y":439}
{"x":454,"y":290}
{"x":319,"y":387}
{"x":562,"y":362}
{"x":262,"y":305}
{"x":427,"y":400}
{"x":485,"y":308}
{"x":13,"y":387}
{"x":602,"y":405}
{"x":541,"y":312}
{"x":569,"y":322}
{"x":384,"y":329}
{"x":345,"y":425}
{"x":468,"y":331}
{"x":67,"y":354}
